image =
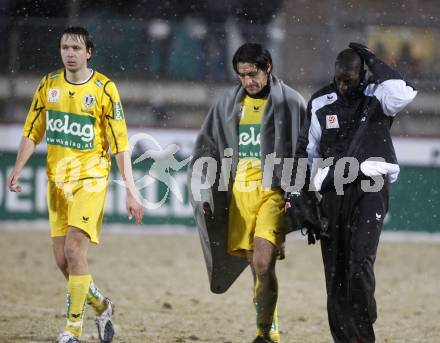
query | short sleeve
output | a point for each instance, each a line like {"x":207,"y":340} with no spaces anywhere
{"x":35,"y":124}
{"x":116,"y":128}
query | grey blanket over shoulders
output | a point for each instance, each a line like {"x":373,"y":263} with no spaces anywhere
{"x":219,"y":134}
{"x":280,"y":127}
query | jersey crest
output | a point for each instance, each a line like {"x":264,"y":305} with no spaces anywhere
{"x":54,"y":95}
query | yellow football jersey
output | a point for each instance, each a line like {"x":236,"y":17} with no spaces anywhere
{"x":80,"y":121}
{"x":249,"y":150}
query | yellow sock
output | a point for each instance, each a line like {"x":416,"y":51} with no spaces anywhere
{"x":77,"y":288}
{"x":274,"y":330}
{"x":95,"y":298}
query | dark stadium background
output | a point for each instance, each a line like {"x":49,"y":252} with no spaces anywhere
{"x":170,"y":60}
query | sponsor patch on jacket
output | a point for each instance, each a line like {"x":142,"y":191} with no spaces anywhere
{"x":331,"y":121}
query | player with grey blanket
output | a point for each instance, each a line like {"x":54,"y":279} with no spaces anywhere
{"x":250,"y":125}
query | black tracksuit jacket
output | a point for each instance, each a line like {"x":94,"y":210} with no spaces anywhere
{"x":356,"y":217}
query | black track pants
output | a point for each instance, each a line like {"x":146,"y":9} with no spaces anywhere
{"x":355,"y":222}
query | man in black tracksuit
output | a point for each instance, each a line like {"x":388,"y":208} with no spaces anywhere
{"x":352,"y":117}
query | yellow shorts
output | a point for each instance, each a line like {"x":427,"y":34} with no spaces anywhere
{"x":255,"y":213}
{"x":80,"y":205}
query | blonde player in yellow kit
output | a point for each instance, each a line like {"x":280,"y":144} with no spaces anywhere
{"x":80,"y":112}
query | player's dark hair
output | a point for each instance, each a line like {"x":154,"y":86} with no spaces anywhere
{"x":82,"y":33}
{"x":252,"y":53}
